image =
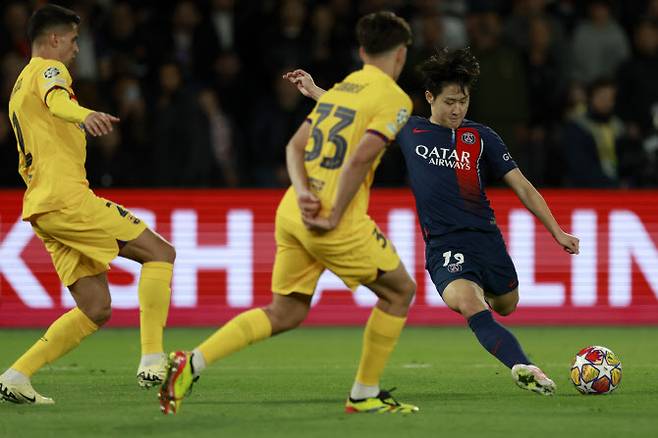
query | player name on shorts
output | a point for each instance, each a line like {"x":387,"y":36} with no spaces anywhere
{"x":445,"y":157}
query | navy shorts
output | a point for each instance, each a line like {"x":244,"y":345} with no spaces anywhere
{"x":472,"y":255}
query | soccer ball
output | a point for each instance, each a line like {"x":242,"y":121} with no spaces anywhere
{"x":596,"y":370}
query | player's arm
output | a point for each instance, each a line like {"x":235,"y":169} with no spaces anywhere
{"x":308,"y":203}
{"x":62,"y":106}
{"x":304,"y":83}
{"x":351,"y":177}
{"x":536,"y":204}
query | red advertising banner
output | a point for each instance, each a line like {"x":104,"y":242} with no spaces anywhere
{"x":225,"y":248}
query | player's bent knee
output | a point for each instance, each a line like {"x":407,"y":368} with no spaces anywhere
{"x":409,"y":291}
{"x":99,"y":315}
{"x":168,"y":253}
{"x":506,"y":309}
{"x":285,"y":318}
{"x":506,"y":304}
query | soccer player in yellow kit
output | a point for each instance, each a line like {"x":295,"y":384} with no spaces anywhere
{"x":322,"y":223}
{"x":81,"y":231}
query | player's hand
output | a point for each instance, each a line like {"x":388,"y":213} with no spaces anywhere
{"x":98,"y":124}
{"x":303,"y":81}
{"x":569,"y":243}
{"x":309,"y":204}
{"x":320,"y":224}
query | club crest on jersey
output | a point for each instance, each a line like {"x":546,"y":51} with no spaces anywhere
{"x":454,"y":267}
{"x":51,"y":72}
{"x":468,"y":137}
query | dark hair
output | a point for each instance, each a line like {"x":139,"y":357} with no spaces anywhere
{"x":48,"y":17}
{"x":449,"y":67}
{"x":382,"y":31}
{"x":598,"y":84}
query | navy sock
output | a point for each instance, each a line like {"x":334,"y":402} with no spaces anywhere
{"x":496,"y":339}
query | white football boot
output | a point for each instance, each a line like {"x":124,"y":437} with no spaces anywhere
{"x":533,"y":379}
{"x":151,"y":375}
{"x":22,"y":393}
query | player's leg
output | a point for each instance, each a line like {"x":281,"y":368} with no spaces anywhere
{"x":467,"y":298}
{"x":503,"y":305}
{"x":157,"y":257}
{"x":363,"y":255}
{"x":294,"y":277}
{"x":284,"y":313}
{"x":92,"y":297}
{"x":395,"y":290}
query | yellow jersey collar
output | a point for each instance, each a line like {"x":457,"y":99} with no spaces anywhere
{"x":369,"y":68}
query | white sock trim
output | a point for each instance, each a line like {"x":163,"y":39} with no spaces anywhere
{"x":198,"y":362}
{"x":360,"y":391}
{"x":152,"y":359}
{"x":14,"y":376}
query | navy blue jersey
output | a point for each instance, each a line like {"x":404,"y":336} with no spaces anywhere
{"x":446,"y":169}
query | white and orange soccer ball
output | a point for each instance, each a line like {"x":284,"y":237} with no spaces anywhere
{"x":596,"y":370}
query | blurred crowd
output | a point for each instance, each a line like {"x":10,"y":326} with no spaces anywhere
{"x":571,"y":86}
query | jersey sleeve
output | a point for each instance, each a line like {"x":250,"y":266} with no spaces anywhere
{"x":497,"y":157}
{"x":53,"y":75}
{"x":390,"y":115}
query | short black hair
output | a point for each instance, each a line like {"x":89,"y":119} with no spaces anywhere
{"x":449,"y":67}
{"x":382,"y":31}
{"x":48,"y":17}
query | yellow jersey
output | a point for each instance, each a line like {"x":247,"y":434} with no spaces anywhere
{"x":51,"y":150}
{"x":367,"y":100}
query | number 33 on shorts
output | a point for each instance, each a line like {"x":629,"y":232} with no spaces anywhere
{"x":456,"y":266}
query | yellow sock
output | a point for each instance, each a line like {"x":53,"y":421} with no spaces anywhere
{"x":61,"y":337}
{"x":379,"y":339}
{"x":154,"y":295}
{"x":246,"y":328}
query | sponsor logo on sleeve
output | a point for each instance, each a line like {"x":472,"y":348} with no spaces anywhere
{"x":402,"y":117}
{"x":507,"y":157}
{"x":51,"y":72}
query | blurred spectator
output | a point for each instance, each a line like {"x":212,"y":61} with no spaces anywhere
{"x":223,"y":138}
{"x":86,"y":61}
{"x":331,"y":55}
{"x":436,"y":26}
{"x":275,"y":119}
{"x":224,"y":23}
{"x":234,"y":131}
{"x":108,"y":165}
{"x":500,"y":97}
{"x":181,"y":155}
{"x":288,"y":39}
{"x":546,"y":91}
{"x":121,"y":48}
{"x":13,"y":33}
{"x":567,"y":12}
{"x":193,"y":42}
{"x":650,"y":146}
{"x":638,"y":87}
{"x":526,"y":12}
{"x":599,"y":44}
{"x":596,"y":153}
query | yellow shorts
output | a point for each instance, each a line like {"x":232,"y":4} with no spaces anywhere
{"x":82,"y":240}
{"x":355,"y":254}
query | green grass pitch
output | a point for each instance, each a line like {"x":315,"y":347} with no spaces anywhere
{"x":294,"y":386}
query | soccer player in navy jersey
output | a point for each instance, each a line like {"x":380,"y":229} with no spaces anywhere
{"x":447,"y":158}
